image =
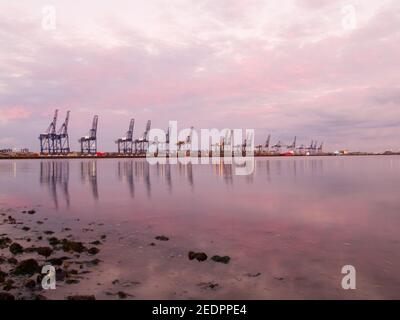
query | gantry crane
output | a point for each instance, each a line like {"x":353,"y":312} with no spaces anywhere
{"x":62,"y":138}
{"x":89,"y":143}
{"x":142,"y":144}
{"x":125,"y":144}
{"x":48,"y":139}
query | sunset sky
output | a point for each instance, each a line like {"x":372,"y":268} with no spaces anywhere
{"x":290,"y":67}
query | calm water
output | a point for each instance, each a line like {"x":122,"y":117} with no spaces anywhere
{"x":296,"y":221}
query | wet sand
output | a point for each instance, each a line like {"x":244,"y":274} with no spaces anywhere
{"x":133,"y":264}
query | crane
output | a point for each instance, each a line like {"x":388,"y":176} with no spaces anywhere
{"x":292,"y":146}
{"x":48,"y":138}
{"x":89,"y":143}
{"x":142,"y":144}
{"x":125,"y":144}
{"x":62,"y":137}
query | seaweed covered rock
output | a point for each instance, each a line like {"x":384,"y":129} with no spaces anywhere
{"x":16,"y":248}
{"x":53,"y":241}
{"x":4,"y":242}
{"x":6,"y":296}
{"x":199,"y":256}
{"x":27,"y":267}
{"x":162,"y":238}
{"x":44,"y":251}
{"x":93,"y":250}
{"x":68,"y":245}
{"x":223,"y":259}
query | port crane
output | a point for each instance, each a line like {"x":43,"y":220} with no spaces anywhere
{"x":167,"y":139}
{"x":187,"y":141}
{"x":48,"y":138}
{"x":62,"y":137}
{"x":247,"y":144}
{"x":278,"y":146}
{"x":292,"y":146}
{"x":319,"y":150}
{"x":142,"y":144}
{"x":267,"y":142}
{"x":89,"y":143}
{"x":125,"y":144}
{"x":226,"y":142}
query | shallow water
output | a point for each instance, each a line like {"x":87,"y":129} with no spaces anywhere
{"x":295,"y":222}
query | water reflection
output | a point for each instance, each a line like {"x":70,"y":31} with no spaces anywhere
{"x":142,"y":172}
{"x":125,"y":172}
{"x":89,"y":173}
{"x":139,"y":174}
{"x":55,"y":174}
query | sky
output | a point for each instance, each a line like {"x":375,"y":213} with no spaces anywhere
{"x":318,"y":70}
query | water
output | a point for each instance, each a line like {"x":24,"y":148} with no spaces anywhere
{"x":289,"y":227}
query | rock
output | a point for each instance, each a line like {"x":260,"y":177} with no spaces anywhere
{"x":93,"y":262}
{"x":68,"y":245}
{"x":103,"y":237}
{"x":208,"y":285}
{"x":11,"y":220}
{"x":48,"y":232}
{"x":44,"y":251}
{"x":60,"y":275}
{"x":71,"y":281}
{"x":12,"y":260}
{"x":224,"y":259}
{"x":53,"y":241}
{"x":16,"y":248}
{"x":96,"y":243}
{"x":199,"y":256}
{"x":162,"y":238}
{"x":57,"y":261}
{"x":4,"y":242}
{"x":30,"y":284}
{"x":122,"y":295}
{"x":26,"y":228}
{"x":27,"y":267}
{"x":39,"y":297}
{"x":152,"y":244}
{"x":3,"y":276}
{"x":32,"y":211}
{"x":39,"y":278}
{"x":81,"y":297}
{"x":6,"y":296}
{"x":8,"y":285}
{"x":253,"y":275}
{"x":93,"y":250}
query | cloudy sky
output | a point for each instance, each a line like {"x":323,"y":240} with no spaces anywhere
{"x":325,"y":70}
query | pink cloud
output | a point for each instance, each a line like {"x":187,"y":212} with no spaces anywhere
{"x":14,"y":113}
{"x":292,"y":73}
